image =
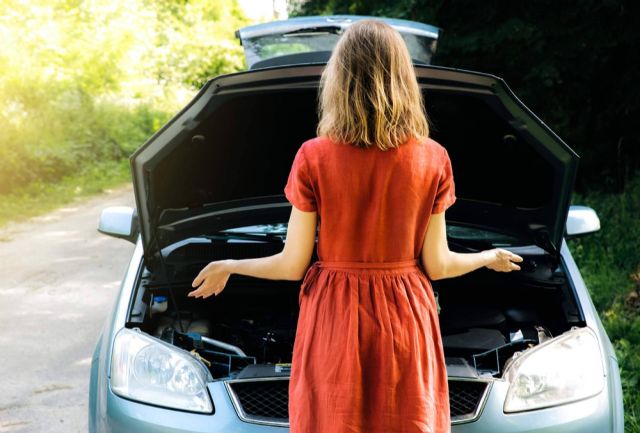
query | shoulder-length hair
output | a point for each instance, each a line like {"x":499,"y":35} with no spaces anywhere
{"x":369,"y":94}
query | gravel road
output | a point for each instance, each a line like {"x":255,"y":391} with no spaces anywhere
{"x":58,"y":283}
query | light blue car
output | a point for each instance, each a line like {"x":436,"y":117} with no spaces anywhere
{"x":525,"y":351}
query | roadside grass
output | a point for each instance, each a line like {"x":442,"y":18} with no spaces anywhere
{"x":623,"y":327}
{"x":609,"y":257}
{"x":609,"y":262}
{"x":40,"y":197}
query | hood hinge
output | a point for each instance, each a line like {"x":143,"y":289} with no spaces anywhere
{"x":543,"y":240}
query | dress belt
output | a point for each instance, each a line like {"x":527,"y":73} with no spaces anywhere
{"x":312,"y":272}
{"x":366,"y":265}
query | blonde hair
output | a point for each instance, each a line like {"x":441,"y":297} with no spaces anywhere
{"x":369,"y":93}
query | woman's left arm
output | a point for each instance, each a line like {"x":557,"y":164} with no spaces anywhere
{"x":289,"y":264}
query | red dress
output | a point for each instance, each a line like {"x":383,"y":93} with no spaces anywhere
{"x":368,"y":356}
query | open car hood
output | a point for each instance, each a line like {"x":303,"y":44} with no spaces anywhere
{"x":224,"y":159}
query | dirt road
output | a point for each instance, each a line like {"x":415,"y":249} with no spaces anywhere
{"x":58,"y":283}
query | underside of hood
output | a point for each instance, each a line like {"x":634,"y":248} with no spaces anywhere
{"x":224,"y":159}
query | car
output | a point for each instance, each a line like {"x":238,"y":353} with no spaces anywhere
{"x":525,"y":351}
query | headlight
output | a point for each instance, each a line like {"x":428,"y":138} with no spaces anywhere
{"x":155,"y":372}
{"x":565,"y":369}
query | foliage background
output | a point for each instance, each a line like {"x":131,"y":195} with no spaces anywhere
{"x":572,"y":62}
{"x":87,"y":82}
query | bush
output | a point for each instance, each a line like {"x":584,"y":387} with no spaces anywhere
{"x":609,"y":257}
{"x":60,"y":137}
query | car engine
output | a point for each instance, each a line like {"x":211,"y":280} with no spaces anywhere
{"x":486,"y":318}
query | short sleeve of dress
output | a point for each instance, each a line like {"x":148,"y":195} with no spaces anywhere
{"x":299,"y":188}
{"x":445,"y":195}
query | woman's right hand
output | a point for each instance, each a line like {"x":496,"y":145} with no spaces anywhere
{"x":503,"y":260}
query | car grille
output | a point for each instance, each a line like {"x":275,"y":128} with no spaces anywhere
{"x":266,"y":400}
{"x":465,"y":397}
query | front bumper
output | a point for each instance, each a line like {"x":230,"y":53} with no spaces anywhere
{"x":123,"y":416}
{"x":592,"y":415}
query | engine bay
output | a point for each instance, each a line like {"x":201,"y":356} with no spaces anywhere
{"x":248,"y":330}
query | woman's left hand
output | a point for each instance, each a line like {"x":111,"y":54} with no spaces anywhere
{"x":211,"y":279}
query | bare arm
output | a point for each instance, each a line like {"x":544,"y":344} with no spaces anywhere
{"x":440,"y":262}
{"x":289,"y":264}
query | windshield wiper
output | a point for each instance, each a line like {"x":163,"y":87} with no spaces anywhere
{"x":312,"y":31}
{"x":225,"y":236}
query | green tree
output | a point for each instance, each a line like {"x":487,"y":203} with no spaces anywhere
{"x":86,"y":81}
{"x":571,"y":62}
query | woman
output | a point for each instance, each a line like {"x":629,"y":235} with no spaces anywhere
{"x":368,"y":354}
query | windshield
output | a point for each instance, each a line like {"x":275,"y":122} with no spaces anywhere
{"x":321,"y":40}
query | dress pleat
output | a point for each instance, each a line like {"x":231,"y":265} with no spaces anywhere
{"x":365,"y":357}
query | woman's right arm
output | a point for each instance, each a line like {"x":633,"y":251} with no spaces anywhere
{"x":440,"y":262}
